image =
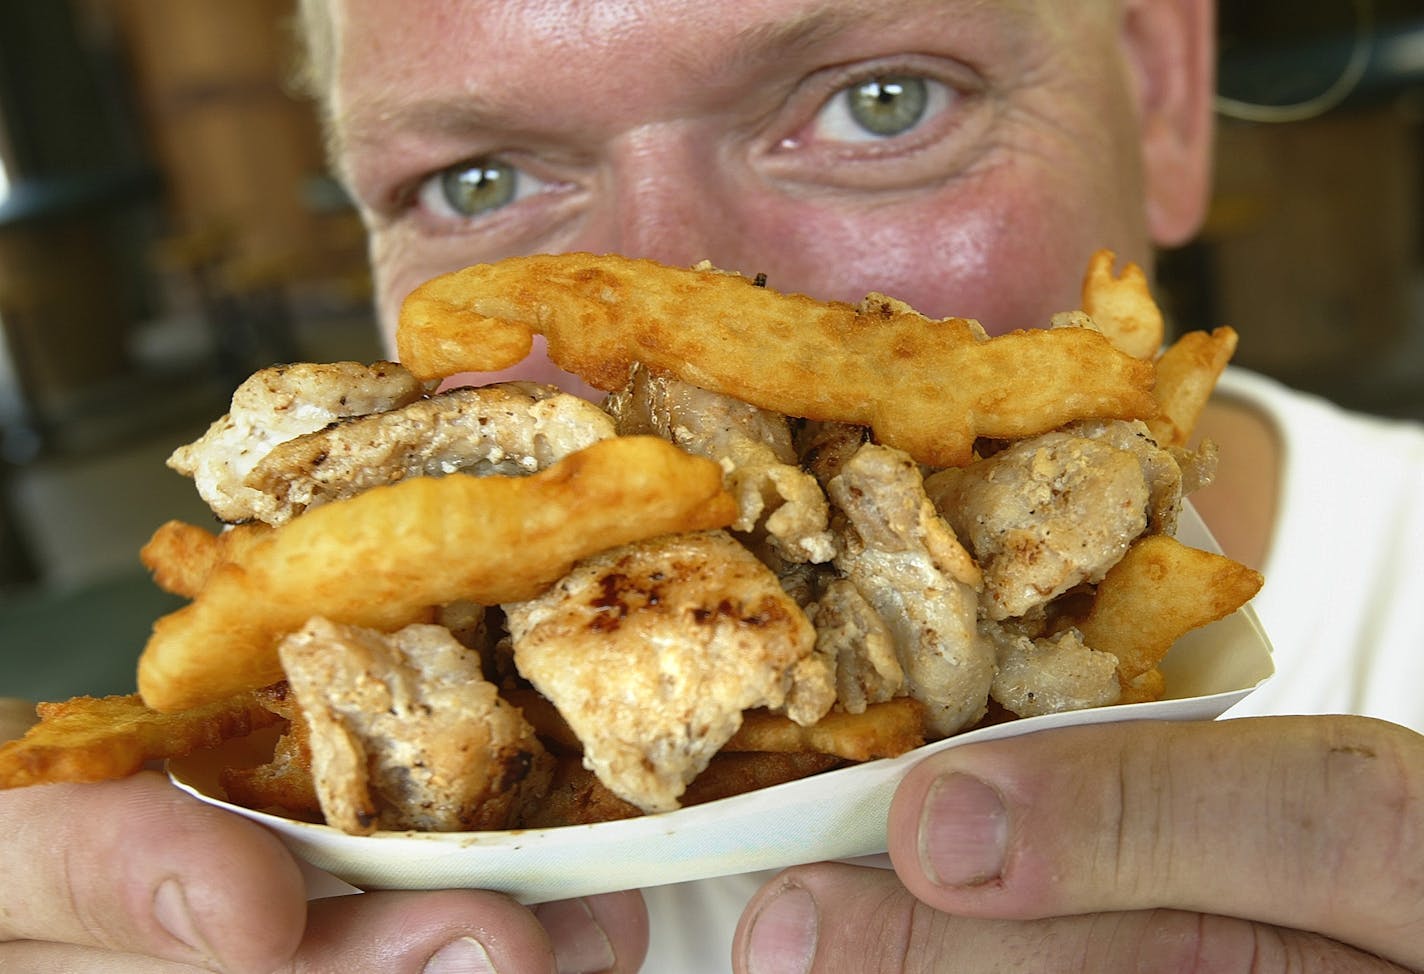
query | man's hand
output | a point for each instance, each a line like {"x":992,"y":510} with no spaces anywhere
{"x":135,"y":876}
{"x":1265,"y":845}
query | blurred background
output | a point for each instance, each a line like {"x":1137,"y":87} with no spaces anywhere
{"x":167,"y":226}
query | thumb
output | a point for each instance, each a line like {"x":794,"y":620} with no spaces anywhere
{"x":1244,"y":818}
{"x":136,"y":866}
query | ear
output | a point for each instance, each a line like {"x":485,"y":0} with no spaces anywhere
{"x":1171,"y":45}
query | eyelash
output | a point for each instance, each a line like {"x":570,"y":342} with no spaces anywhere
{"x":837,"y":111}
{"x":426,"y":195}
{"x":429,"y":191}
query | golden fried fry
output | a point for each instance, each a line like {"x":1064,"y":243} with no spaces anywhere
{"x":183,"y":556}
{"x":1159,"y":591}
{"x":381,"y":559}
{"x":927,"y":387}
{"x":1187,"y":372}
{"x":1145,"y":687}
{"x":1123,"y":306}
{"x":98,"y":738}
{"x":884,"y":730}
{"x":285,"y":781}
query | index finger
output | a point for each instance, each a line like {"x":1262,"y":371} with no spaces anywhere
{"x":1311,"y":823}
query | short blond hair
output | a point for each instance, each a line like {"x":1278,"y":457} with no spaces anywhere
{"x":315,"y":67}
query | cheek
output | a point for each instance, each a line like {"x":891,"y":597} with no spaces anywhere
{"x":1009,"y":259}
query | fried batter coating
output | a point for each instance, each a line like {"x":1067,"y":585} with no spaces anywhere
{"x":928,"y":387}
{"x":1050,"y":674}
{"x":905,"y":560}
{"x":406,"y":734}
{"x":182,"y":556}
{"x":1043,"y":515}
{"x":382,"y":558}
{"x":851,"y":633}
{"x":775,"y":496}
{"x":1159,"y":591}
{"x":273,"y":406}
{"x":511,"y":428}
{"x":97,"y":738}
{"x":1122,"y":305}
{"x":284,"y":782}
{"x":652,"y":651}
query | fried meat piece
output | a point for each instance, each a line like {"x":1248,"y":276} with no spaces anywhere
{"x":851,"y":633}
{"x":905,"y":560}
{"x":1048,"y":513}
{"x":507,"y":428}
{"x":824,"y":447}
{"x":1161,"y":467}
{"x":273,"y":406}
{"x":754,"y":447}
{"x":406,"y":734}
{"x":652,"y":651}
{"x":1050,"y":674}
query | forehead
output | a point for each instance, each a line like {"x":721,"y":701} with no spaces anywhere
{"x":378,"y":46}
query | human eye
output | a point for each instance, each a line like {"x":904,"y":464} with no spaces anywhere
{"x":476,"y":188}
{"x":879,"y":108}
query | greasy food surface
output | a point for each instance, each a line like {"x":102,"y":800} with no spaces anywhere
{"x":512,"y":427}
{"x":652,"y":651}
{"x":907,"y":563}
{"x":405,"y":733}
{"x":273,"y":406}
{"x":382,"y":559}
{"x":1044,"y":515}
{"x":96,"y":738}
{"x":796,"y":534}
{"x":928,"y":387}
{"x":778,"y":501}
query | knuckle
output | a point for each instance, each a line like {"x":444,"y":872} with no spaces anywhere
{"x":1372,"y":813}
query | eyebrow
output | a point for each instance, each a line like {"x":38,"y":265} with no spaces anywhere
{"x":752,"y":46}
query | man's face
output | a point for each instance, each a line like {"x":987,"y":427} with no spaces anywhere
{"x":964,"y":155}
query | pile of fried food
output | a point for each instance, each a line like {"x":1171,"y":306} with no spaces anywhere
{"x":796,"y":534}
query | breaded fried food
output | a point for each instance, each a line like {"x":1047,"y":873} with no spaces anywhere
{"x":882,"y":730}
{"x":778,"y":500}
{"x":1159,"y":591}
{"x":577,"y":797}
{"x":1045,"y":514}
{"x":511,"y":428}
{"x":1050,"y":674}
{"x":285,"y":781}
{"x":405,"y":733}
{"x":383,"y":558}
{"x":652,"y":651}
{"x":182,"y":557}
{"x":98,"y":738}
{"x":1187,"y":372}
{"x":274,"y":405}
{"x":907,"y":563}
{"x":929,"y":388}
{"x":1122,"y":306}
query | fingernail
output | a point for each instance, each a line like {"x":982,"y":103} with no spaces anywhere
{"x":964,"y":832}
{"x":170,"y":908}
{"x":783,"y":935}
{"x":580,"y":945}
{"x":464,"y":956}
